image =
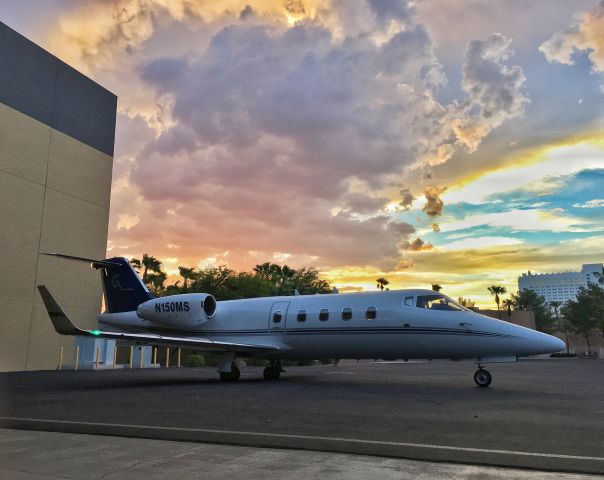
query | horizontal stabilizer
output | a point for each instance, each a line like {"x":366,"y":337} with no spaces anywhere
{"x":64,"y":326}
{"x":93,"y":262}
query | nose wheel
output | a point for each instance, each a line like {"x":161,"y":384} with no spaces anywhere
{"x":482,"y":377}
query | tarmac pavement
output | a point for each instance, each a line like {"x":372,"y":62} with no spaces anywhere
{"x":538,"y":414}
{"x":30,"y":455}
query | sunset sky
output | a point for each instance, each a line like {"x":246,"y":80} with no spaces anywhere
{"x":457,"y":142}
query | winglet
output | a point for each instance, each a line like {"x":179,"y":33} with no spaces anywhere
{"x":59,"y":320}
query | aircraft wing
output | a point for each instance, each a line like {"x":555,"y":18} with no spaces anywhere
{"x":64,"y":326}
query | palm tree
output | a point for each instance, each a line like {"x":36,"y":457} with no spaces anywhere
{"x":186,"y":274}
{"x":156,"y":282}
{"x":436,"y":287}
{"x":497,"y":290}
{"x":508,"y":304}
{"x":267,"y":270}
{"x":466,"y":302}
{"x":136,"y":264}
{"x":150,"y":264}
{"x":381,"y":283}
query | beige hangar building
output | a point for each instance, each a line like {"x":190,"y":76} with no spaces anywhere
{"x":57,"y":130}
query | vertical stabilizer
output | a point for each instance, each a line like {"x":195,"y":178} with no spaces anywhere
{"x":124,"y":290}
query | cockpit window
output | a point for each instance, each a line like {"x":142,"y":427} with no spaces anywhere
{"x":438,"y":302}
{"x":408,"y":302}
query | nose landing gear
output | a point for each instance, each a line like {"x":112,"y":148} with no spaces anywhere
{"x":482,"y":377}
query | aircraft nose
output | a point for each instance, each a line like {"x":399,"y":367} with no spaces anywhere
{"x":557,"y":344}
{"x":544,"y":343}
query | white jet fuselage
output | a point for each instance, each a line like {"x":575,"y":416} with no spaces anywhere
{"x":389,"y":324}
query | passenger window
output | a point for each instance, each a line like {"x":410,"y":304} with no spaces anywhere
{"x":301,"y":315}
{"x":371,"y":313}
{"x":408,"y":301}
{"x":277,"y":316}
{"x":347,"y":313}
{"x":324,"y":315}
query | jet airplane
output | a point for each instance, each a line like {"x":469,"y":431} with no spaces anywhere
{"x":400,"y":324}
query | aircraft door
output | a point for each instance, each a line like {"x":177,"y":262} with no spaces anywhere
{"x":278,"y":316}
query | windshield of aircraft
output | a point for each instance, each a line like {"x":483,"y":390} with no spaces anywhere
{"x":438,"y":302}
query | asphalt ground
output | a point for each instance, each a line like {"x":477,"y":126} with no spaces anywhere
{"x":31,"y":455}
{"x":538,"y":414}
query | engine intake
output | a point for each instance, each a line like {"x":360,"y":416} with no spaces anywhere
{"x":189,"y":309}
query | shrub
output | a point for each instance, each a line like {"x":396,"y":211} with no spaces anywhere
{"x":327,"y":361}
{"x":196,"y":360}
{"x":255,"y":362}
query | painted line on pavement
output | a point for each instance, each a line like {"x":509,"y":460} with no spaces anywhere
{"x":309,"y":437}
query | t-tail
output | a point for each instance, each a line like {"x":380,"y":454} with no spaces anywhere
{"x":123,"y":289}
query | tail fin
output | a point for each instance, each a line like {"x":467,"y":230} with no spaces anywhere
{"x":122,"y":287}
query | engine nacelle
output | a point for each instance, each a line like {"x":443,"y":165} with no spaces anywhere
{"x":188,"y":309}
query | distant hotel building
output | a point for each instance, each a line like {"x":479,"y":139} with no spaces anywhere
{"x":560,"y":286}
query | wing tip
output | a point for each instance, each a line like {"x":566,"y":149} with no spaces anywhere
{"x":61,"y":322}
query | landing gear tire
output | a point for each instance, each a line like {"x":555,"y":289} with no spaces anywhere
{"x":482,"y":378}
{"x":231,"y":376}
{"x":272,"y":373}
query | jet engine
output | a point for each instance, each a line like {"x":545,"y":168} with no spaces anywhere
{"x":189,"y":309}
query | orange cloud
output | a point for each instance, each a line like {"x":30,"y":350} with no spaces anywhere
{"x":434,"y":204}
{"x":585,"y":34}
{"x":418,"y":245}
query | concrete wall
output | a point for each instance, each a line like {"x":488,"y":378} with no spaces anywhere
{"x":56,"y":146}
{"x":520,"y":317}
{"x":527,"y":319}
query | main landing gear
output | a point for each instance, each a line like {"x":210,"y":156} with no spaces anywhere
{"x":231,"y":376}
{"x":482,"y":377}
{"x":273,"y":370}
{"x":229,"y":368}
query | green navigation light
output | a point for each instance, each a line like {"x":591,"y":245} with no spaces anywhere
{"x":96,"y":332}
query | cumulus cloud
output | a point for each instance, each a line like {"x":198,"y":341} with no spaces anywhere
{"x":295,"y":7}
{"x":363,"y":204}
{"x":434,"y":204}
{"x":280,"y":126}
{"x":272,"y":127}
{"x":494,"y":89}
{"x":418,"y":245}
{"x":406,"y":199}
{"x":585,"y":34}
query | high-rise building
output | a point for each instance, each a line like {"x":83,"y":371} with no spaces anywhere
{"x":560,"y":286}
{"x":57,"y":130}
